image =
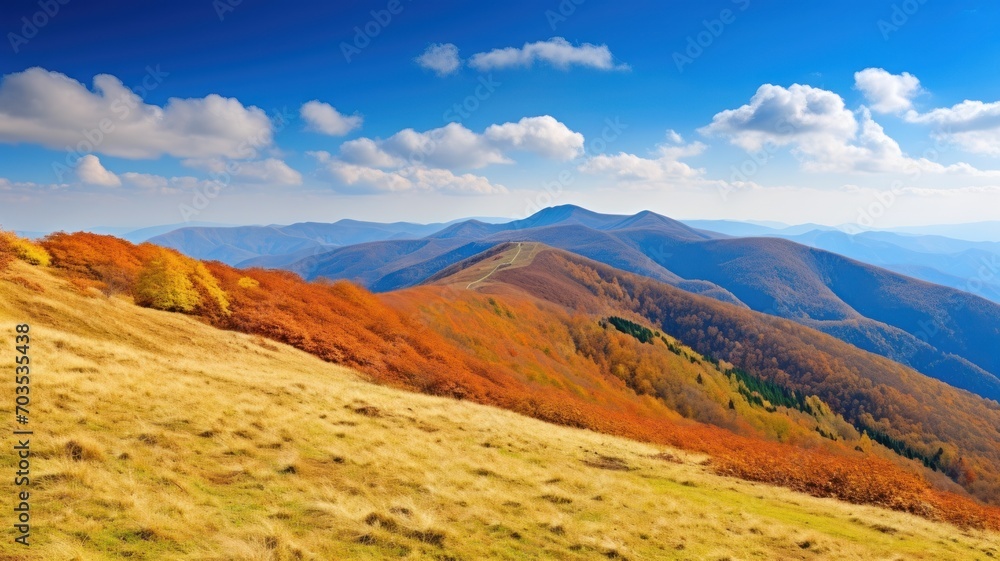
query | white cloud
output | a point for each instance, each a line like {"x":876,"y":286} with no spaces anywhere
{"x":323,"y":118}
{"x":666,"y":166}
{"x":543,"y":135}
{"x":885,"y":92}
{"x":29,"y":186}
{"x":361,"y":179}
{"x":424,"y":161}
{"x":442,"y":58}
{"x":90,"y":171}
{"x":822,"y":133}
{"x":556,"y":51}
{"x":268,"y":171}
{"x":972,"y":125}
{"x":451,"y":146}
{"x":48,"y":108}
{"x":367,"y":152}
{"x":168,"y":185}
{"x":455,"y":147}
{"x":364,"y":178}
{"x":782,"y":116}
{"x":665,"y":171}
{"x":444,"y":181}
{"x":872,"y":151}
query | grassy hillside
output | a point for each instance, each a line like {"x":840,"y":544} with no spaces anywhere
{"x":557,"y":363}
{"x":160,"y":437}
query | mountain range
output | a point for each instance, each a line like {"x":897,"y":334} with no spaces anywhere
{"x":943,"y":332}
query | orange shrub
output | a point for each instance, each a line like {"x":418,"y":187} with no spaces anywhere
{"x":6,"y":254}
{"x":113,"y":264}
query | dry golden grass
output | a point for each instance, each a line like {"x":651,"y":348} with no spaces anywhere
{"x":158,"y":437}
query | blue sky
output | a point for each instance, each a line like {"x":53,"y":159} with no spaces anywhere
{"x":873,"y":114}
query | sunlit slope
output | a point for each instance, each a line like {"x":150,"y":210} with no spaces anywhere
{"x":159,"y":437}
{"x":545,"y":360}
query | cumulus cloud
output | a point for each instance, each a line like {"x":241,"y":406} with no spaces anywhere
{"x":821,"y":131}
{"x":556,"y":51}
{"x":972,"y":125}
{"x":873,"y":151}
{"x":367,"y":152}
{"x":797,"y":114}
{"x":48,"y":108}
{"x":665,"y":166}
{"x":442,"y":58}
{"x":543,"y":135}
{"x":270,"y":171}
{"x":323,"y":118}
{"x":425,"y":161}
{"x":361,"y":179}
{"x":453,"y":146}
{"x":90,"y":172}
{"x":885,"y":92}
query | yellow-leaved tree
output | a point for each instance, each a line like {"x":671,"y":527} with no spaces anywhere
{"x":214,"y":299}
{"x":164,"y":284}
{"x":23,"y":249}
{"x":172,"y":282}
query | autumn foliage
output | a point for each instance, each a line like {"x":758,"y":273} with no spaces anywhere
{"x":550,"y":360}
{"x":15,"y":247}
{"x":6,"y":254}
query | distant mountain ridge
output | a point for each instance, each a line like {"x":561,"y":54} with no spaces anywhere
{"x":937,"y":330}
{"x":235,"y":245}
{"x":970,"y":266}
